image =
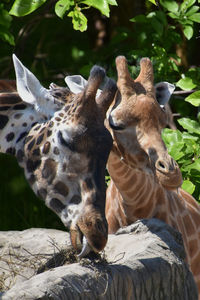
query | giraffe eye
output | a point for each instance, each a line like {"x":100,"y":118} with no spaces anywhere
{"x":66,"y":142}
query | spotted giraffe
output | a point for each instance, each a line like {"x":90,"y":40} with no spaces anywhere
{"x":60,"y":141}
{"x":145,"y":180}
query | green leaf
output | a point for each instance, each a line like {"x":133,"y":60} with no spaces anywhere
{"x":186,"y":4}
{"x":187,"y":136}
{"x":186,"y":84}
{"x":78,"y":19}
{"x":194,"y":98}
{"x":62,"y":6}
{"x":173,"y":15}
{"x":140,"y":19}
{"x":5,"y":18}
{"x":101,"y":5}
{"x":171,"y":136}
{"x":192,"y":10}
{"x":190,"y":125}
{"x":112,"y":2}
{"x":174,"y":142}
{"x":153,"y":1}
{"x":194,"y":166}
{"x":195,"y":17}
{"x":157,"y":26}
{"x":170,"y":5}
{"x":188,"y":31}
{"x":24,"y":7}
{"x":6,"y":36}
{"x":188,"y":186}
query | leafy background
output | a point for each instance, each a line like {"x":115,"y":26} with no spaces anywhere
{"x":55,"y":38}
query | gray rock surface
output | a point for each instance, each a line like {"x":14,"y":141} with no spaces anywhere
{"x":142,"y":261}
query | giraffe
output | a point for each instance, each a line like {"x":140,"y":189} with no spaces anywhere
{"x":145,"y":180}
{"x":60,"y":141}
{"x":7,"y":85}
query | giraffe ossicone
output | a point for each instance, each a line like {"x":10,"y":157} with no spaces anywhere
{"x":60,"y":140}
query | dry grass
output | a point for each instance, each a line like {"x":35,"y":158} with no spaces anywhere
{"x":29,"y":264}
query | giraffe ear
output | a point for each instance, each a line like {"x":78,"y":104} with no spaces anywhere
{"x":77,"y":84}
{"x":163,"y":91}
{"x":31,"y":91}
{"x":28,"y":86}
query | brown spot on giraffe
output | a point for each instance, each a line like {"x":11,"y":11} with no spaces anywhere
{"x":49,"y":170}
{"x":61,"y":188}
{"x":46,"y":148}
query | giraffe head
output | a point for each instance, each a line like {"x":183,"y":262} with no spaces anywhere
{"x":137,"y":120}
{"x":64,"y":154}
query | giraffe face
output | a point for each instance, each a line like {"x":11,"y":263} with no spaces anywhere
{"x":137,"y":121}
{"x":64,"y":154}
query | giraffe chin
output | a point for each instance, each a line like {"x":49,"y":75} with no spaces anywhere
{"x":170,"y":180}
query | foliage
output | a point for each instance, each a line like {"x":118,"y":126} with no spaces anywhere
{"x":184,"y":147}
{"x":45,"y":40}
{"x":160,"y":30}
{"x":72,"y":7}
{"x":5,"y":23}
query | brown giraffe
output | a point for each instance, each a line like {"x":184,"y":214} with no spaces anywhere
{"x":7,"y":85}
{"x":145,"y":179}
{"x":60,"y":141}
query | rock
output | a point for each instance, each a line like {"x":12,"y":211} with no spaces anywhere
{"x":142,"y":261}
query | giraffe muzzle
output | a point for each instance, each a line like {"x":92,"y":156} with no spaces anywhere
{"x":86,"y":238}
{"x":114,"y":125}
{"x":168,"y":173}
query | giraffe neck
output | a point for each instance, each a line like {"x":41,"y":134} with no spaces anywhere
{"x":140,"y":194}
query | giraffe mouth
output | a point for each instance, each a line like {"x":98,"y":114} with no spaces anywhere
{"x":79,"y":242}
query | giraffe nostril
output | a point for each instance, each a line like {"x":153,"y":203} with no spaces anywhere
{"x":160,"y":165}
{"x":114,"y":125}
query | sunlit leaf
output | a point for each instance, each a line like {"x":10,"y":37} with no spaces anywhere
{"x":170,"y":5}
{"x":188,"y":186}
{"x":186,"y":83}
{"x":188,"y":31}
{"x":174,"y":142}
{"x":186,"y":4}
{"x":78,"y":19}
{"x":194,"y":166}
{"x":194,"y":98}
{"x":187,"y":136}
{"x":171,"y":136}
{"x":62,"y":6}
{"x":192,"y":10}
{"x":153,"y":1}
{"x":101,"y":5}
{"x":195,"y":17}
{"x":190,"y":125}
{"x":112,"y":2}
{"x":24,"y":7}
